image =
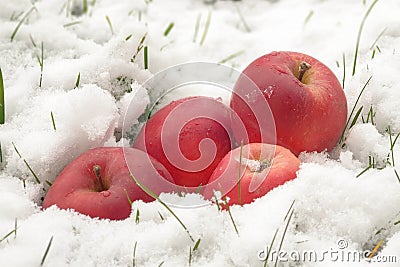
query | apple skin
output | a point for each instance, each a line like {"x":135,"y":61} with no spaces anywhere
{"x":189,"y":137}
{"x":309,"y":115}
{"x":253,"y":183}
{"x":78,"y":188}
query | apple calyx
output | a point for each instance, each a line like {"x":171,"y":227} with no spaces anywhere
{"x":97,"y":172}
{"x":303,"y":68}
{"x":256,"y":165}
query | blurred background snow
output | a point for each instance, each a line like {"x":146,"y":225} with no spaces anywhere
{"x":101,"y":44}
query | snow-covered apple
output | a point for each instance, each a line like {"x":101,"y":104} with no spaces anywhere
{"x":189,"y":137}
{"x":98,"y":183}
{"x":307,"y":101}
{"x":251,"y":171}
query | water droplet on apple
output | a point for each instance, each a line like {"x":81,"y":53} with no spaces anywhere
{"x":106,"y":193}
{"x":269,"y":90}
{"x":219,"y":99}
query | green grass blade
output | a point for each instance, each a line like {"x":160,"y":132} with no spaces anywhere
{"x":206,"y":28}
{"x":85,"y":6}
{"x":137,"y":217}
{"x":72,"y":24}
{"x":152,"y":194}
{"x":283,"y":236}
{"x":309,"y":16}
{"x":168,"y":29}
{"x":110,"y":25}
{"x":359,"y":34}
{"x":364,"y":171}
{"x":354,"y":107}
{"x":397,"y":175}
{"x":1,"y":154}
{"x":344,"y":70}
{"x":134,"y":255}
{"x":245,"y":25}
{"x":146,"y":58}
{"x":78,"y":80}
{"x":377,"y":38}
{"x":290,"y":208}
{"x":27,"y":165}
{"x":239,"y":173}
{"x":7,"y":235}
{"x":196,"y":28}
{"x":354,"y":121}
{"x":53,"y":121}
{"x":46,"y":252}
{"x":196,"y":245}
{"x":231,"y":217}
{"x":2,"y":103}
{"x":270,"y":246}
{"x":21,"y":21}
{"x":230,"y":57}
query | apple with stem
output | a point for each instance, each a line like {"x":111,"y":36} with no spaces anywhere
{"x":189,"y":137}
{"x":98,"y":183}
{"x":250,"y":171}
{"x":307,"y":102}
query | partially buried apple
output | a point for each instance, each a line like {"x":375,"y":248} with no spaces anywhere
{"x":99,"y":184}
{"x":251,"y":171}
{"x":307,"y":102}
{"x":189,"y":137}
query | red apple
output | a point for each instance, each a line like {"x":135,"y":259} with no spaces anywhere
{"x":98,"y":183}
{"x":262,"y":167}
{"x":189,"y":137}
{"x":306,"y":99}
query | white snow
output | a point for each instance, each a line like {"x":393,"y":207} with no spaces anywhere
{"x":331,"y":202}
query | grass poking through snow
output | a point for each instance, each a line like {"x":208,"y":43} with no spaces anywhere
{"x":46,"y":251}
{"x":169,"y":28}
{"x":346,"y":128}
{"x":206,"y":28}
{"x":230,"y":57}
{"x":291,"y":210}
{"x":134,"y":255}
{"x":139,"y":47}
{"x":22,"y":21}
{"x":245,"y":25}
{"x":2,"y":103}
{"x":41,"y":61}
{"x":137,"y":216}
{"x":53,"y":121}
{"x":110,"y":25}
{"x":152,"y":194}
{"x":359,"y":35}
{"x":78,"y":80}
{"x":196,"y":28}
{"x":309,"y":16}
{"x":27,"y":165}
{"x":146,"y":58}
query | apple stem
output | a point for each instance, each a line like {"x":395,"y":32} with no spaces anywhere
{"x":97,"y":170}
{"x":303,"y":68}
